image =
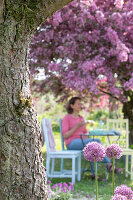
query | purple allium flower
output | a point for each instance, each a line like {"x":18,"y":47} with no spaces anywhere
{"x":71,"y":186}
{"x":54,"y":186}
{"x":113,"y":151}
{"x":65,"y":185}
{"x":59,"y":185}
{"x":94,"y":151}
{"x":125,"y":191}
{"x":49,"y":182}
{"x":88,"y":196}
{"x":64,"y":190}
{"x":119,"y":197}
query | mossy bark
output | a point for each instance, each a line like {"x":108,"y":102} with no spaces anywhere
{"x":22,"y":174}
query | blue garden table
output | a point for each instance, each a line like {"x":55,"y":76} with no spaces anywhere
{"x":103,"y":132}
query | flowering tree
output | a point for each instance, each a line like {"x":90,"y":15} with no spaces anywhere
{"x":88,"y":47}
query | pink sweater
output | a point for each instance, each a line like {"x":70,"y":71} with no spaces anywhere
{"x":68,"y":123}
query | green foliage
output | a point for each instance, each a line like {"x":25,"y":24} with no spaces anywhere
{"x":55,"y":124}
{"x":47,"y":107}
{"x":131,"y":146}
{"x":99,"y":115}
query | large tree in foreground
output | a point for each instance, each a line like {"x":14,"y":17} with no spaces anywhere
{"x":88,"y":46}
{"x":22,"y":175}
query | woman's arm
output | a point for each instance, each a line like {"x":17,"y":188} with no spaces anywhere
{"x":69,"y":133}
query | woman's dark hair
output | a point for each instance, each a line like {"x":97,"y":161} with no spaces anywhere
{"x":71,"y":101}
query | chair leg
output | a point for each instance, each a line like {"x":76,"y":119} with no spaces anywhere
{"x":79,"y":168}
{"x":62,"y":165}
{"x":53,"y":165}
{"x":48,"y":166}
{"x":73,"y":170}
{"x":126,"y":165}
{"x":131,"y":166}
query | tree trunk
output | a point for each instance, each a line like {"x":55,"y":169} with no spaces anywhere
{"x":128,"y":114}
{"x":22,"y":174}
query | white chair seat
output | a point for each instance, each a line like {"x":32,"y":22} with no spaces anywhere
{"x":66,"y":152}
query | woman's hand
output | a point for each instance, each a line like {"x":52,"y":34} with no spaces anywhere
{"x":81,"y":123}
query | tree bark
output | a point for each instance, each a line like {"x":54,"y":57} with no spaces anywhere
{"x":22,"y":174}
{"x":128,"y":114}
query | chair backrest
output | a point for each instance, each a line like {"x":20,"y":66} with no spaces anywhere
{"x":61,"y":136}
{"x":121,"y":125}
{"x":48,"y":135}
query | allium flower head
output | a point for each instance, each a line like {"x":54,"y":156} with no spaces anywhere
{"x":119,"y":197}
{"x":113,"y":151}
{"x":124,"y":191}
{"x":94,"y":151}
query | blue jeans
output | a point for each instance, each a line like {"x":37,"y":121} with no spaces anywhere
{"x":77,"y":144}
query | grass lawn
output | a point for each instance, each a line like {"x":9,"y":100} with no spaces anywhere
{"x":87,"y":186}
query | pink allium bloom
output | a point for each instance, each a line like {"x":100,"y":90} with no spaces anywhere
{"x":94,"y":151}
{"x":113,"y":151}
{"x":125,"y":191}
{"x":119,"y":197}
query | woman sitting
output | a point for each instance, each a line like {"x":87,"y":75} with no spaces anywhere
{"x":73,"y":125}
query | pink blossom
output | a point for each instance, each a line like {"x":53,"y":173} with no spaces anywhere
{"x":112,"y":35}
{"x":100,"y":16}
{"x":119,"y":4}
{"x":131,"y":58}
{"x":123,"y":56}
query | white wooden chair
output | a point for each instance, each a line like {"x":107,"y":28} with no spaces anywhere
{"x":52,"y":155}
{"x":122,"y":125}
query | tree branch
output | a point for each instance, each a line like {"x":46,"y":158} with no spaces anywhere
{"x":46,"y":8}
{"x":109,"y":94}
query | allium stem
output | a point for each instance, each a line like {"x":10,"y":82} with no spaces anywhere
{"x":113,"y":175}
{"x":96,"y":179}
